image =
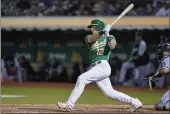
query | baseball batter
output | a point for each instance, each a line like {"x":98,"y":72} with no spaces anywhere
{"x":100,"y":44}
{"x":163,"y":51}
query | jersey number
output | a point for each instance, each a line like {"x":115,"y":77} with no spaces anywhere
{"x":100,"y":51}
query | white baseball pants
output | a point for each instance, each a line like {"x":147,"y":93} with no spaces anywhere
{"x":99,"y":74}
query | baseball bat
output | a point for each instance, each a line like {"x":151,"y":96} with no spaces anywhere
{"x":123,"y":13}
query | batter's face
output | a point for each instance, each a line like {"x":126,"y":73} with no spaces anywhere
{"x":93,"y":28}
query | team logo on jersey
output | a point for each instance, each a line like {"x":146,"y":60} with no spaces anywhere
{"x":98,"y":44}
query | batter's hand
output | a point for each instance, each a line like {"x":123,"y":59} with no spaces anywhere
{"x":107,"y":28}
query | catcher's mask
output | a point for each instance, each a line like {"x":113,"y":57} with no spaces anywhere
{"x":166,"y":47}
{"x":98,"y":23}
{"x":162,"y":50}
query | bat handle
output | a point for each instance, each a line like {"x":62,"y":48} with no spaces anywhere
{"x":116,"y":20}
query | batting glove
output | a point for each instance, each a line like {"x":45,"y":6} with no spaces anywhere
{"x":107,"y":28}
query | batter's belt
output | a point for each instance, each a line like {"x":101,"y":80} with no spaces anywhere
{"x":95,"y":63}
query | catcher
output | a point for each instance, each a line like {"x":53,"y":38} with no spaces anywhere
{"x":163,"y":52}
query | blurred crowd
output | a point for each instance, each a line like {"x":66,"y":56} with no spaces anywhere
{"x":83,"y":7}
{"x":21,"y":69}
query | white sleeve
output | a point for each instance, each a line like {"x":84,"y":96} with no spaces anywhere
{"x":165,"y":62}
{"x":142,"y":48}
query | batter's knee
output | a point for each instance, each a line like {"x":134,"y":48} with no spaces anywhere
{"x":81,"y":79}
{"x":80,"y":83}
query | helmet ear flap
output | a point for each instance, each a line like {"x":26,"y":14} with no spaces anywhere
{"x":166,"y":46}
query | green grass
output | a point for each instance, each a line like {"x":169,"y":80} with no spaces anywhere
{"x":52,"y":95}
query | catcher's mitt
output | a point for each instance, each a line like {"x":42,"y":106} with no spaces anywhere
{"x":151,"y":81}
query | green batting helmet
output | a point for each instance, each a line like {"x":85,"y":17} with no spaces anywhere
{"x":98,"y":23}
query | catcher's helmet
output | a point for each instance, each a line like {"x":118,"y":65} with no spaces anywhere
{"x":161,"y":48}
{"x":98,"y":23}
{"x":166,"y":47}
